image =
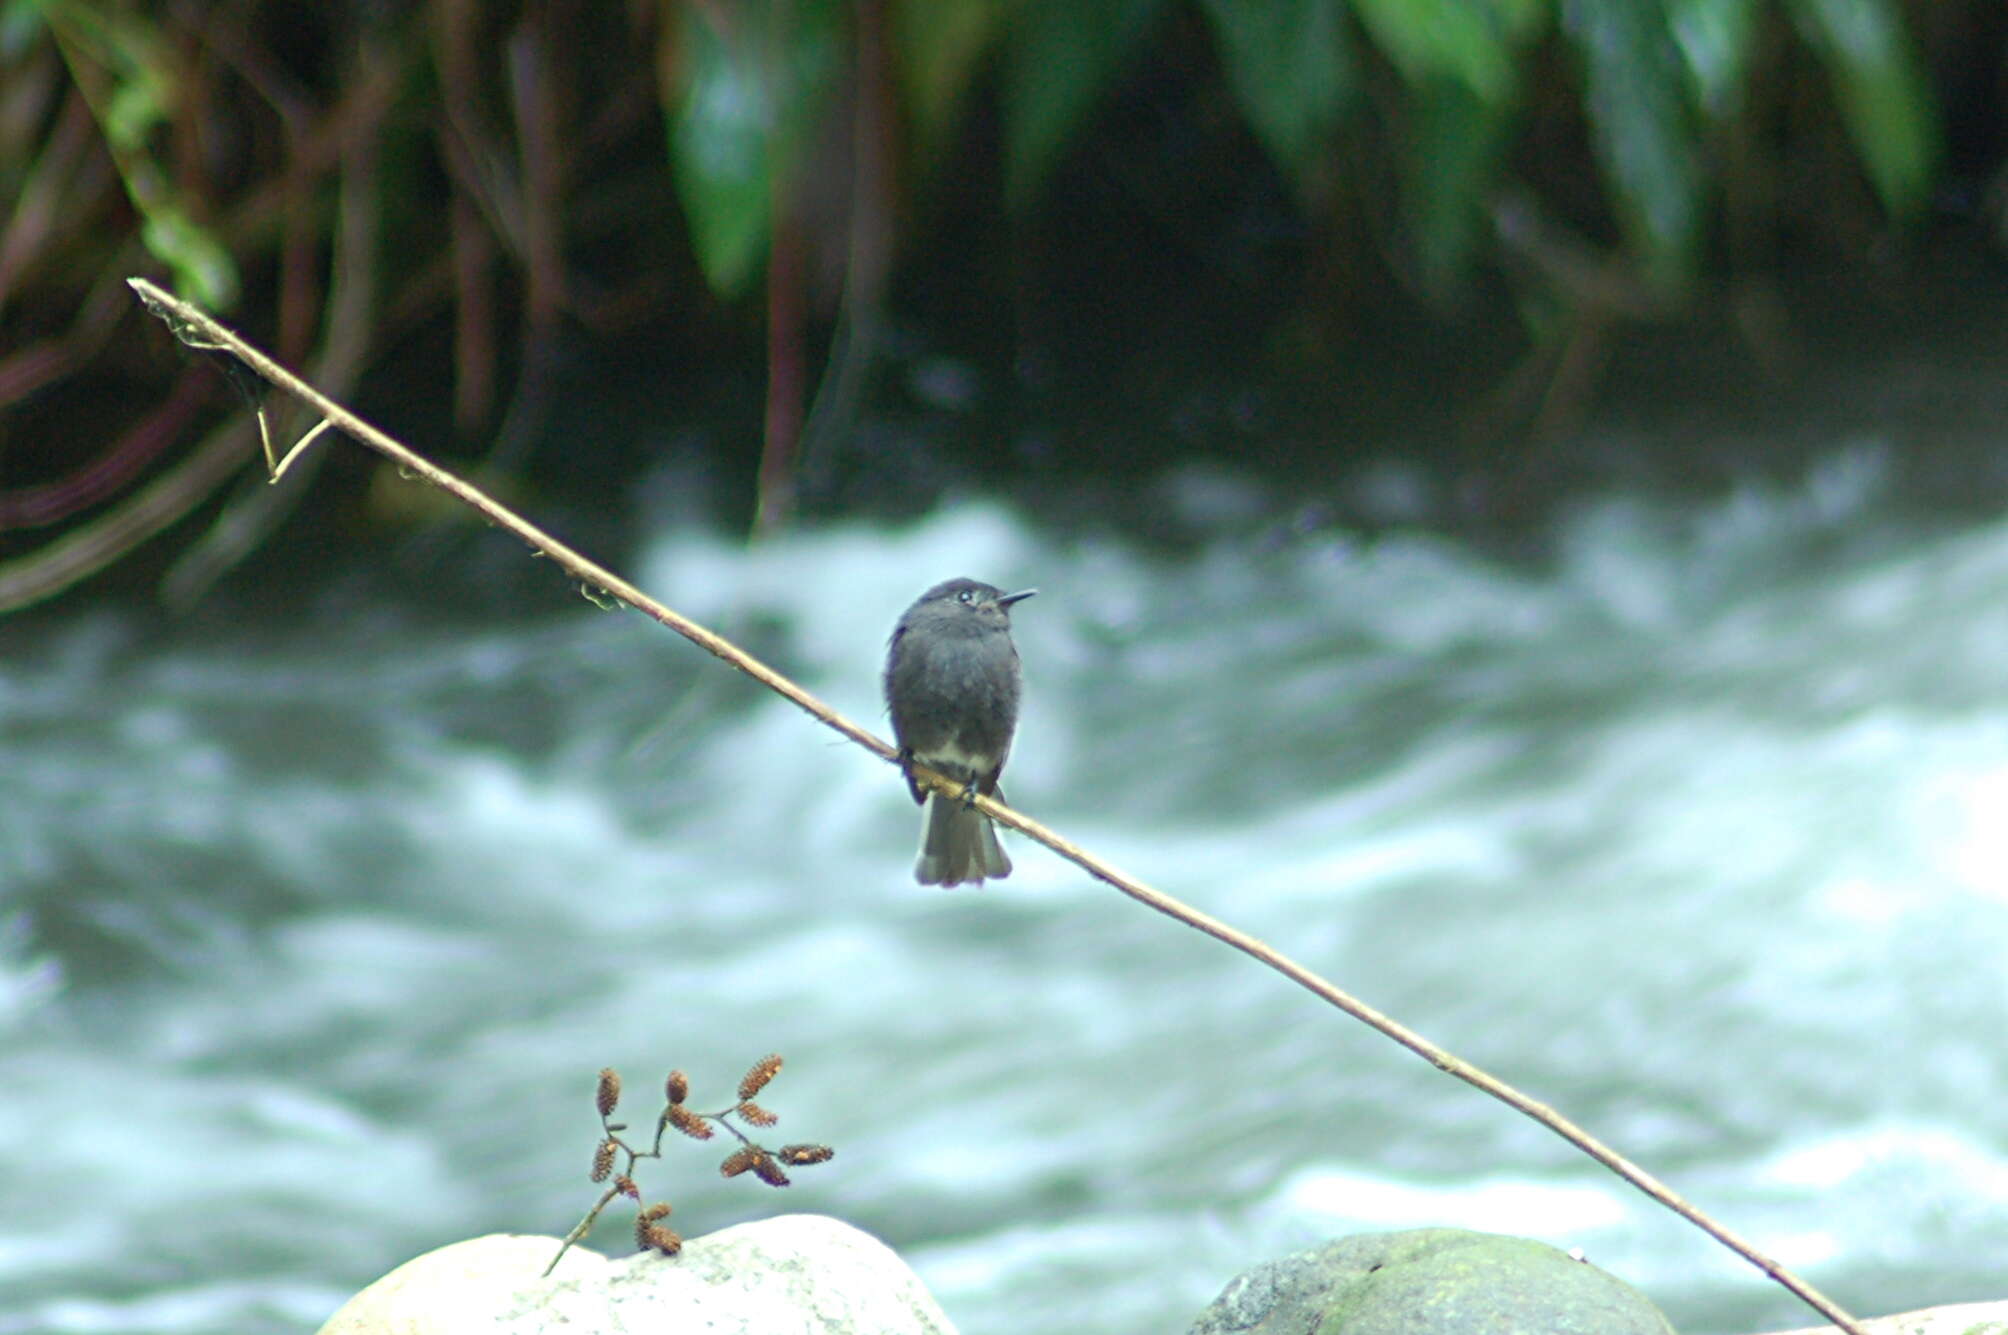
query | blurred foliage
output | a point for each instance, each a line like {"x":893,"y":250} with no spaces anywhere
{"x":122,"y":65}
{"x":1641,"y":119}
{"x":1290,"y":65}
{"x":1882,"y":93}
{"x":1059,"y":56}
{"x":939,"y":50}
{"x":527,"y":165}
{"x":747,"y":87}
{"x":748,"y":90}
{"x":1476,"y":43}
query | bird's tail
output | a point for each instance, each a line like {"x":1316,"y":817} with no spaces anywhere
{"x":958,"y":845}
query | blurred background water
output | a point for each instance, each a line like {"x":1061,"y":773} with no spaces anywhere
{"x":318,"y":924}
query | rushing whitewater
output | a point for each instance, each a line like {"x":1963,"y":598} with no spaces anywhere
{"x":315,"y":936}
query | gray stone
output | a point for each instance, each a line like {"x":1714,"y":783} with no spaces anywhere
{"x":1962,"y":1319}
{"x":1430,"y":1281}
{"x":793,"y":1275}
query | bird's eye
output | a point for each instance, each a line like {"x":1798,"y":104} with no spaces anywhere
{"x":966,"y":596}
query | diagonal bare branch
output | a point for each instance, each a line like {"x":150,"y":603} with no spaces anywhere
{"x":196,"y":328}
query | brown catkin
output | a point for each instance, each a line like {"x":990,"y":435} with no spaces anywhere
{"x":756,"y":1079}
{"x":801,"y":1154}
{"x":609,"y":1092}
{"x":736,"y":1163}
{"x":688,"y":1122}
{"x":626,"y":1187}
{"x":656,"y":1211}
{"x":677,"y":1087}
{"x":769,"y":1171}
{"x":663,"y":1239}
{"x":603,"y":1159}
{"x":756,"y":1114}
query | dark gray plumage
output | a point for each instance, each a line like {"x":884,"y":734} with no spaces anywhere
{"x":951,"y":686}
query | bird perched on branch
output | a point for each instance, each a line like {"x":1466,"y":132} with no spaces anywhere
{"x":951,"y":686}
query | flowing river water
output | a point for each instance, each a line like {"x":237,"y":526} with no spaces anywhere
{"x":314,"y":932}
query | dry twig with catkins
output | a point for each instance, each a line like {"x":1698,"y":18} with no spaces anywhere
{"x":650,"y":1233}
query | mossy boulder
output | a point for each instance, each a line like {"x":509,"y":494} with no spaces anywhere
{"x":1430,"y":1281}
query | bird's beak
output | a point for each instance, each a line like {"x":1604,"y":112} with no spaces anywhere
{"x":1011,"y":598}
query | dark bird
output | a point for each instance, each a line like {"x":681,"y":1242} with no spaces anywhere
{"x":951,"y":686}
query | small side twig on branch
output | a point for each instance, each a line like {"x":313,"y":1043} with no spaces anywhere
{"x":192,"y":326}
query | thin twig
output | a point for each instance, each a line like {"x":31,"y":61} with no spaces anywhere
{"x":278,"y":470}
{"x":583,"y":1227}
{"x":189,"y":323}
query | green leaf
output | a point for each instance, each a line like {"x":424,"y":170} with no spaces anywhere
{"x":138,"y":104}
{"x":748,"y":87}
{"x":1290,"y":68}
{"x":129,"y":75}
{"x":20,"y":26}
{"x":938,"y":45}
{"x":203,"y":270}
{"x":1472,"y":42}
{"x":1641,"y":127}
{"x":1063,"y":54}
{"x":1457,"y":141}
{"x":1716,"y":39}
{"x":1883,"y":95}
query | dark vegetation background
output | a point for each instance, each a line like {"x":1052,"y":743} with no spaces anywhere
{"x":809,"y":257}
